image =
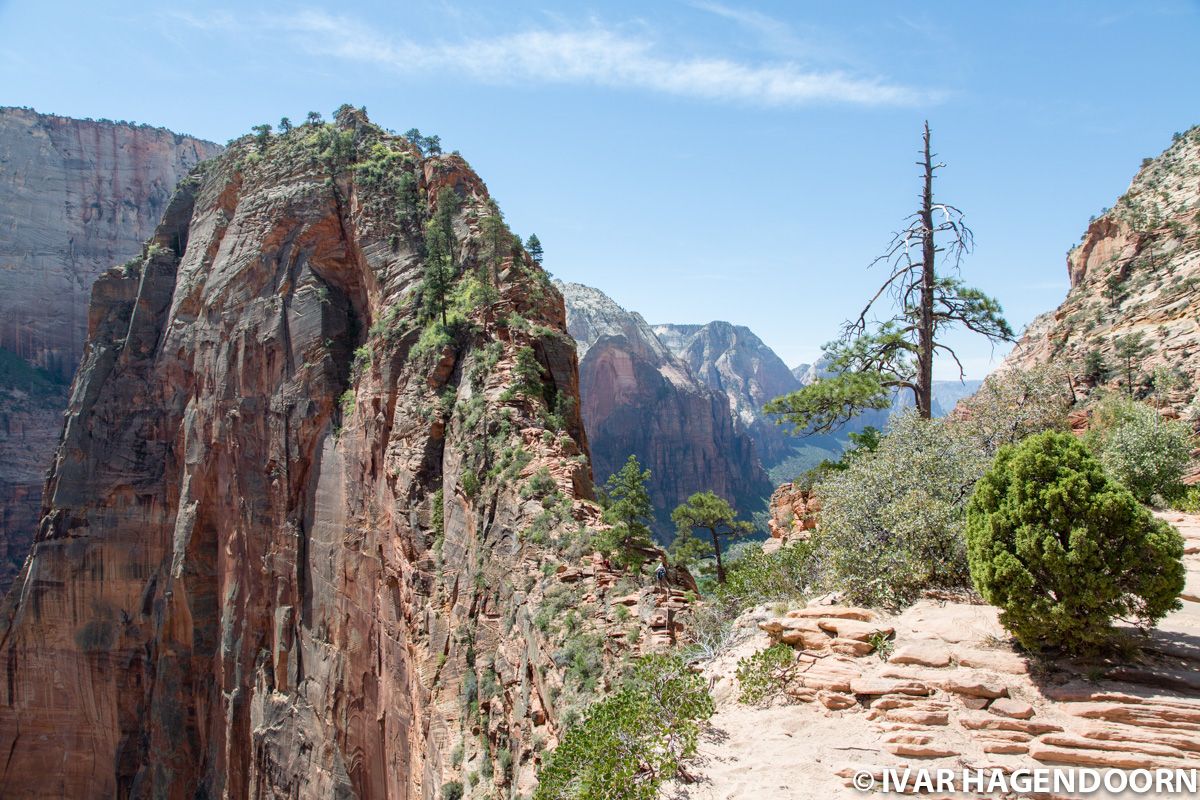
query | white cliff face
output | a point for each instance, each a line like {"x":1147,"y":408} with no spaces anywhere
{"x":732,"y":360}
{"x":591,"y":315}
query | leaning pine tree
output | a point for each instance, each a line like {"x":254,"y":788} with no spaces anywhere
{"x":873,"y":358}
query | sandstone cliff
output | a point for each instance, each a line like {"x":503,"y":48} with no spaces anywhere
{"x":76,"y":197}
{"x":640,"y":399}
{"x":1135,"y":273}
{"x":300,"y":540}
{"x":733,"y":361}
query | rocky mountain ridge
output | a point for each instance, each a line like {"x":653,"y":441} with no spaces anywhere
{"x":301,"y":538}
{"x":76,"y":197}
{"x":1134,"y":301}
{"x":732,"y":360}
{"x":639,"y":398}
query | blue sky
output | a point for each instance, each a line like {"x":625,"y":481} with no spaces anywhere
{"x":696,"y":160}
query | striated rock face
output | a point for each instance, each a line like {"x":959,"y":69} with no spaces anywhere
{"x":299,"y":540}
{"x":76,"y":197}
{"x":736,"y":363}
{"x":1136,"y":272}
{"x":640,"y":399}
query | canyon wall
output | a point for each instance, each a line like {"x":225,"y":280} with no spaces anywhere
{"x":640,"y":399}
{"x":76,"y":197}
{"x":733,"y":361}
{"x":301,"y":539}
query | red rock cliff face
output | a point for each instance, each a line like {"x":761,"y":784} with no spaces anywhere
{"x":76,"y":197}
{"x":286,"y":547}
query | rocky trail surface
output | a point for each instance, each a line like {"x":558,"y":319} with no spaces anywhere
{"x":951,"y":693}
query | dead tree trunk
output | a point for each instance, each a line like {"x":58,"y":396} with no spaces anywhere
{"x":925,"y":343}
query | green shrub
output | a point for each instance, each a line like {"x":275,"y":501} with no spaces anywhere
{"x":1016,"y":403}
{"x":540,"y":484}
{"x":1063,"y":550}
{"x":346,"y":402}
{"x":1186,"y":499}
{"x":582,"y":657}
{"x":766,"y":675}
{"x":527,"y":373}
{"x":892,"y":522}
{"x":452,"y":790}
{"x":438,"y":512}
{"x":1139,"y":448}
{"x":628,"y":744}
{"x":755,"y":577}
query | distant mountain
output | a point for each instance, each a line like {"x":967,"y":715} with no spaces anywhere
{"x":639,"y":398}
{"x":736,"y":363}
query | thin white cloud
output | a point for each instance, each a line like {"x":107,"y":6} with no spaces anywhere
{"x":594,"y":56}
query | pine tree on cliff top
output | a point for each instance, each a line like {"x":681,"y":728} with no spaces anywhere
{"x":873,"y":357}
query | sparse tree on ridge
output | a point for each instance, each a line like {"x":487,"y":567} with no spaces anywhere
{"x":262,"y":136}
{"x":1131,"y":348}
{"x":533,"y":246}
{"x":874,"y":357}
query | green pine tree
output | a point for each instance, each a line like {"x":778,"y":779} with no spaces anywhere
{"x":629,"y":512}
{"x":708,"y":513}
{"x":440,"y":270}
{"x":533,"y":246}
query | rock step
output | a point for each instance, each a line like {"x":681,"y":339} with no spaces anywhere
{"x":1104,"y":758}
{"x":1113,"y":745}
{"x":832,"y":612}
{"x":1116,"y":732}
{"x":1157,"y":715}
{"x":990,"y":722}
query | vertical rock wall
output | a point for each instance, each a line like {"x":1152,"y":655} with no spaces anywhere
{"x":298,"y":539}
{"x":76,"y":197}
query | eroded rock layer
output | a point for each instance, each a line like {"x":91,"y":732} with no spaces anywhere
{"x":297,"y":534}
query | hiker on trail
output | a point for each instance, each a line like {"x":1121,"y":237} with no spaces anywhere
{"x":660,"y":574}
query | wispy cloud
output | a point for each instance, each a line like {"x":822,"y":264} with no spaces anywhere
{"x":779,"y":37}
{"x":595,"y":55}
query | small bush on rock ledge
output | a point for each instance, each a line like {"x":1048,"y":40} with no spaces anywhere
{"x":1063,"y":550}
